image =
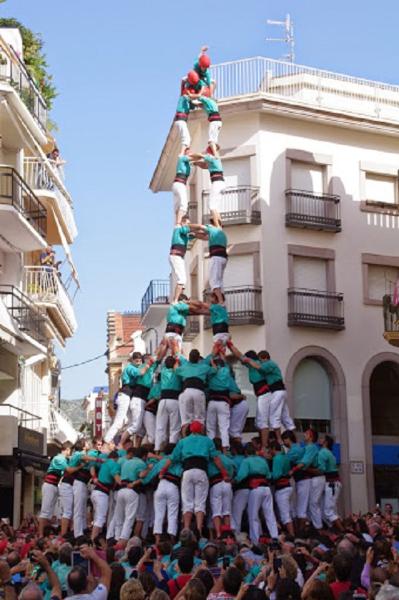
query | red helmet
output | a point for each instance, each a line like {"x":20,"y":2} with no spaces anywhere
{"x":196,"y":427}
{"x":204,"y":61}
{"x":193,"y":77}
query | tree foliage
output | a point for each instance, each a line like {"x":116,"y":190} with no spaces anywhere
{"x":34,"y":59}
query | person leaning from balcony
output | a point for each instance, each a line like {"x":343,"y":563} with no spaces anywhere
{"x":210,"y":160}
{"x":168,"y":416}
{"x":47,"y":260}
{"x":57,"y":468}
{"x":261,"y":390}
{"x":178,"y":249}
{"x":179,"y":187}
{"x":176,"y":320}
{"x":194,"y":452}
{"x":129,"y":376}
{"x":194,"y":373}
{"x":140,"y":394}
{"x":217,"y":242}
{"x":108,"y":474}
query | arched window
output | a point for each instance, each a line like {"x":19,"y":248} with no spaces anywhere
{"x":312,"y":395}
{"x":384,"y":399}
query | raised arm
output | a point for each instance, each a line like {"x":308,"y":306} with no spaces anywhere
{"x":52,"y":577}
{"x":104,"y":568}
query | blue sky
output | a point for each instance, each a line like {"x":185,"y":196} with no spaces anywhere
{"x":117,"y":67}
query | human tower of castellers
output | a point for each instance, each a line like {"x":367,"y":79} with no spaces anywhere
{"x":194,"y":469}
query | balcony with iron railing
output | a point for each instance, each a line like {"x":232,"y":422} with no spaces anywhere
{"x":23,"y":218}
{"x":301,"y":85}
{"x":155,"y":302}
{"x":314,"y":308}
{"x":29,"y":319}
{"x":310,"y":210}
{"x":47,"y":180}
{"x":391,"y":320}
{"x":45,"y":288}
{"x":239,"y":205}
{"x":14,"y":72}
{"x":244,"y":305}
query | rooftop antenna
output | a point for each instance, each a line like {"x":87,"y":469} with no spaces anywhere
{"x":289,"y":36}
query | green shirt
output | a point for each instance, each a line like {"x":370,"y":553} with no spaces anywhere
{"x":326,"y":461}
{"x":95,"y":454}
{"x":174,"y":469}
{"x":227,"y":463}
{"x":214,"y":164}
{"x":281,"y":466}
{"x":204,"y":74}
{"x":155,"y":391}
{"x":58,"y":465}
{"x":295,"y":454}
{"x":209,"y":105}
{"x":108,"y":470}
{"x":194,"y":445}
{"x":170,"y":380}
{"x":131,"y":468}
{"x":271,"y":370}
{"x":253,"y":466}
{"x":233,"y":387}
{"x":129,"y":375}
{"x":219,"y":314}
{"x":76,"y":459}
{"x":177,"y":314}
{"x":183,"y":166}
{"x":146,"y":378}
{"x":200,"y":370}
{"x":220,"y":381}
{"x":216,"y":236}
{"x":255,"y":375}
{"x":180,"y":235}
{"x":309,"y":458}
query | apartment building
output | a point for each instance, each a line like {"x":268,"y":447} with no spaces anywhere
{"x":121,"y":330}
{"x":36,"y":309}
{"x":311,"y":210}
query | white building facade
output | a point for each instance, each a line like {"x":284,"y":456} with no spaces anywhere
{"x":36,"y":310}
{"x":311,"y":210}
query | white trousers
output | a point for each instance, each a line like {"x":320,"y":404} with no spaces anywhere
{"x":286,"y":420}
{"x":167,"y":416}
{"x":261,"y":498}
{"x":180,"y":198}
{"x":136,"y":408}
{"x":166,"y":502}
{"x":49,"y":500}
{"x":214,"y":130}
{"x":111,"y":520}
{"x":238,"y":417}
{"x":192,"y":406}
{"x":239,"y":505}
{"x":217,"y":266}
{"x":332,"y":492}
{"x":127,"y":502}
{"x":120,"y":416}
{"x":178,"y":267}
{"x":66,"y":497}
{"x":142,"y":507}
{"x":221,"y":498}
{"x":222,"y":338}
{"x":149,"y":426}
{"x":218,"y":419}
{"x":277,"y":402}
{"x":262,"y":418}
{"x":176,"y":337}
{"x":215,"y":195}
{"x":317,"y":485}
{"x":184,"y":133}
{"x":302,"y":489}
{"x":194,"y":490}
{"x":100,"y":502}
{"x":283,"y":501}
{"x":80,"y":497}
